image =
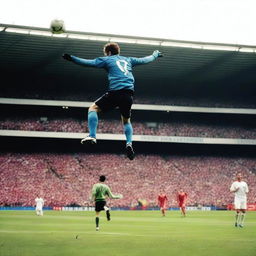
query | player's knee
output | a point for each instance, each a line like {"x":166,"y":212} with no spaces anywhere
{"x":94,"y":107}
{"x":125,"y":120}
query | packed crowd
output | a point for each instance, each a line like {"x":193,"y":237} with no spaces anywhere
{"x":65,"y":179}
{"x":204,"y":101}
{"x":174,"y":128}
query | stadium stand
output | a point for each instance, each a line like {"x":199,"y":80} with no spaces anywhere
{"x":184,"y":77}
{"x":175,"y":128}
{"x":66,"y":179}
{"x":140,"y":99}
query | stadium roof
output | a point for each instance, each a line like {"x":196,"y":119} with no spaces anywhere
{"x":31,"y":57}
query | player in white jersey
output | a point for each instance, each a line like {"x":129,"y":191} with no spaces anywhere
{"x":240,"y":188}
{"x":39,"y":205}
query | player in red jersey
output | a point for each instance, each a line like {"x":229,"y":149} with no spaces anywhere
{"x":162,"y":202}
{"x":181,"y":198}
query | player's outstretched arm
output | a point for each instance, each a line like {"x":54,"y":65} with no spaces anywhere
{"x":110,"y":195}
{"x":67,"y":56}
{"x":157,"y":54}
{"x":138,"y":61}
{"x":98,"y":62}
{"x":246,"y":189}
{"x":93,"y":193}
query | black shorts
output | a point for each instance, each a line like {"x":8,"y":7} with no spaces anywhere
{"x":122,"y":99}
{"x":99,"y":206}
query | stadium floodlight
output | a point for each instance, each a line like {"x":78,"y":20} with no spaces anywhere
{"x":78,"y":36}
{"x":88,"y":37}
{"x":60,"y":35}
{"x":247,"y":49}
{"x":174,"y":44}
{"x":196,"y":46}
{"x":148,"y":42}
{"x":98,"y":38}
{"x":18,"y":30}
{"x":123,"y":40}
{"x":220,"y":47}
{"x":182,"y":44}
{"x":201,"y":46}
{"x":40,"y":33}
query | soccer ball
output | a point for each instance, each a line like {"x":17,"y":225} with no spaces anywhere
{"x":57,"y":26}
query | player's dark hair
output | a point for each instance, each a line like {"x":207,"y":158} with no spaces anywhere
{"x":111,"y":47}
{"x":102,"y":178}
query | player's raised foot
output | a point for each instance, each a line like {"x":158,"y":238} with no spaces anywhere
{"x":129,"y":151}
{"x":89,"y":140}
{"x":97,"y":228}
{"x":108,"y":215}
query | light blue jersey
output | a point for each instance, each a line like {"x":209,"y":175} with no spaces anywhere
{"x":119,"y":69}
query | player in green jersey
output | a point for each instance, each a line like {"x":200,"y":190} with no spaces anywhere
{"x":99,"y":193}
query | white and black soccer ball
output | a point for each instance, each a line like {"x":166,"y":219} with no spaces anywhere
{"x":57,"y":26}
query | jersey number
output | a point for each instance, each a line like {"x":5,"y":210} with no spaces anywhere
{"x":122,"y":64}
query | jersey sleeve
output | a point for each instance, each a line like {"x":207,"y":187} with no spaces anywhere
{"x":93,"y":192}
{"x":110,"y":195}
{"x":98,"y":62}
{"x":233,"y":188}
{"x":246,"y":188}
{"x":140,"y":61}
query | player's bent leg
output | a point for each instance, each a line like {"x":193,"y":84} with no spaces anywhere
{"x":128,"y":131}
{"x":184,"y":210}
{"x":237,"y":218}
{"x":92,"y":125}
{"x":97,"y":220}
{"x":108,"y":215}
{"x":241,"y":224}
{"x":107,"y":210}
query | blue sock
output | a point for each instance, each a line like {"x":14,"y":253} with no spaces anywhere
{"x":128,"y":132}
{"x":92,"y":123}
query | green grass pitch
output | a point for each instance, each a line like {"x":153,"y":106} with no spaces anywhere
{"x":139,"y":233}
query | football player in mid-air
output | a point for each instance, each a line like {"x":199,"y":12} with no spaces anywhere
{"x":99,"y":193}
{"x":120,"y":89}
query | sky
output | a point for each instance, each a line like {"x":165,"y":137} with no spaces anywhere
{"x":219,"y":21}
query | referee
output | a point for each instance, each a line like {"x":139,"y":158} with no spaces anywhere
{"x":99,"y":193}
